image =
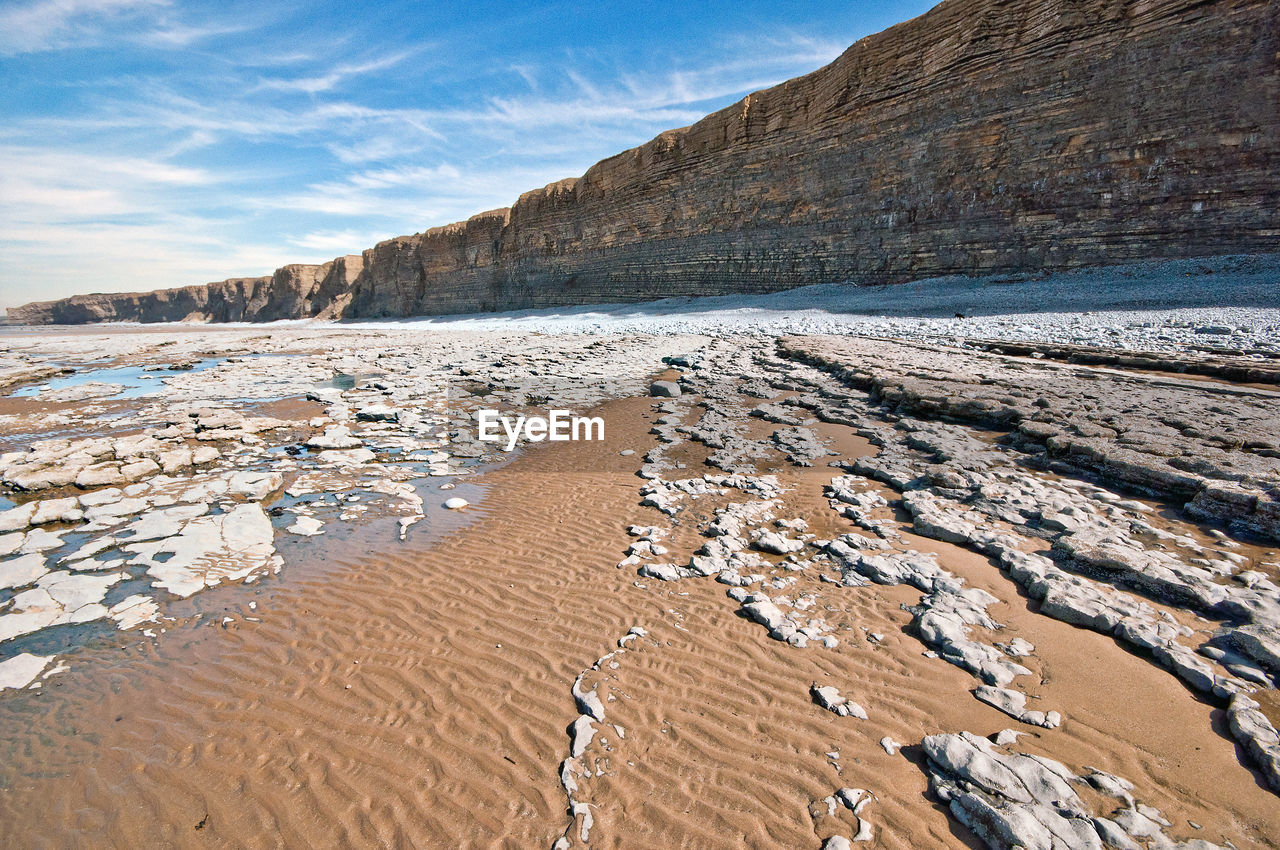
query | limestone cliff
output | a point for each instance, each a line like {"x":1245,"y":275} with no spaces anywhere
{"x":984,"y":136}
{"x":293,"y":291}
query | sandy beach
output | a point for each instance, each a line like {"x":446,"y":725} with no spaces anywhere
{"x":545,"y":426}
{"x":831,"y":586}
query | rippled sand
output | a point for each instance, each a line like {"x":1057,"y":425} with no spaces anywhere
{"x":420,"y":692}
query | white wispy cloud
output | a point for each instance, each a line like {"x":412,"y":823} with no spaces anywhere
{"x":45,"y":25}
{"x":48,"y":24}
{"x":80,"y":220}
{"x":176,"y":35}
{"x":49,"y":186}
{"x":129,"y":257}
{"x":332,"y":243}
{"x":337,"y":74}
{"x":247,"y":158}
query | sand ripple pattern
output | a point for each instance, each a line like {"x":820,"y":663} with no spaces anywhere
{"x":389,"y":694}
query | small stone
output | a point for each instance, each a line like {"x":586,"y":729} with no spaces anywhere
{"x":455,"y":503}
{"x":205,"y":454}
{"x":377,"y":413}
{"x":664,"y":389}
{"x":307,"y":526}
{"x":1007,"y":737}
{"x":139,"y":469}
{"x":829,"y":698}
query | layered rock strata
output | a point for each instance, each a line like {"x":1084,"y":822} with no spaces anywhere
{"x":291,"y":292}
{"x":981,"y":137}
{"x":1209,"y":446}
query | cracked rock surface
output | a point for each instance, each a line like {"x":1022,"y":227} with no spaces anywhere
{"x":895,"y":593}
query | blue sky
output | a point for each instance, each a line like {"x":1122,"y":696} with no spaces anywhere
{"x":156,"y":143}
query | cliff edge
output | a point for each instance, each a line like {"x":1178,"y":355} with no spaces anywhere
{"x":984,"y":136}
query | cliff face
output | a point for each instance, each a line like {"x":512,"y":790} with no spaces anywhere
{"x":984,"y":136}
{"x":294,"y":291}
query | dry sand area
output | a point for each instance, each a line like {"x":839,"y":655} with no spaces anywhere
{"x":810,"y":591}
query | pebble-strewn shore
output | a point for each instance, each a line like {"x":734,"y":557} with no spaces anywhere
{"x":998,"y":489}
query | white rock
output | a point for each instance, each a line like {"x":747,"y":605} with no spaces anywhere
{"x":114,"y":512}
{"x":139,"y":469}
{"x":135,"y":446}
{"x":21,"y":571}
{"x":87,"y":551}
{"x":777,"y":544}
{"x":335,"y":437}
{"x":57,"y":510}
{"x":176,"y":460}
{"x":98,"y":475}
{"x":211,"y":549}
{"x":158,"y":524}
{"x":204,"y":491}
{"x":762,"y":609}
{"x":39,"y":540}
{"x":205,"y":454}
{"x":134,"y":611}
{"x":58,"y":597}
{"x":346,"y":457}
{"x":829,"y":698}
{"x":662,"y":572}
{"x":11,"y":542}
{"x":81,"y":392}
{"x":21,"y":670}
{"x":17,"y":518}
{"x":455,"y":503}
{"x":101,"y":497}
{"x":62,"y":473}
{"x":307,"y":526}
{"x":254,"y":485}
{"x":377,"y":413}
{"x":584,"y":729}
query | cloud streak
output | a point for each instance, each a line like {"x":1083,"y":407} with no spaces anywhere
{"x":335,"y":76}
{"x":50,"y":24}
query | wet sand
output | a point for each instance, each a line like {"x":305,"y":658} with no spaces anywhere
{"x":431,"y":691}
{"x":409,"y":695}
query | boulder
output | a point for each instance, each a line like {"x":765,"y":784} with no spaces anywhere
{"x":664,"y":389}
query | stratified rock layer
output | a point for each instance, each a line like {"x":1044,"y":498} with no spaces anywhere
{"x":982,"y":137}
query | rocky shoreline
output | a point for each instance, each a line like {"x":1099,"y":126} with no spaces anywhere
{"x":804,"y":504}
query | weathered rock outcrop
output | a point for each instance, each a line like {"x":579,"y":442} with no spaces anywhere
{"x":293,"y":291}
{"x":984,"y":136}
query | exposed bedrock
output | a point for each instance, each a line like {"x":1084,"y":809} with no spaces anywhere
{"x":982,"y":137}
{"x":1015,"y":800}
{"x":1211,"y":447}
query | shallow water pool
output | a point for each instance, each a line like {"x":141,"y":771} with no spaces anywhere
{"x":136,"y":380}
